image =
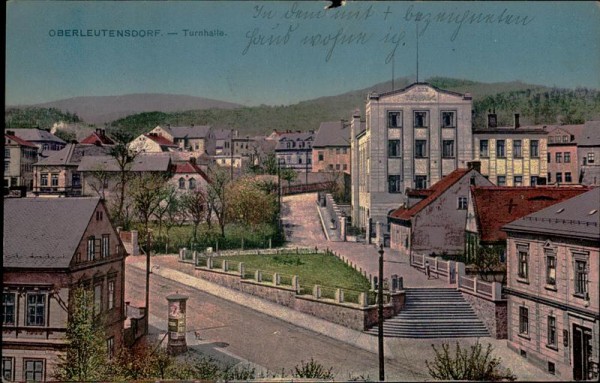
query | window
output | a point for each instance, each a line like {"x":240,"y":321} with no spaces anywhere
{"x":420,"y":182}
{"x":105,"y":246}
{"x":558,"y":157}
{"x":97,"y":299}
{"x":111,"y":295}
{"x":550,"y":269}
{"x":500,"y":149}
{"x":420,"y":148}
{"x":394,"y":149}
{"x":76,"y":180}
{"x":8,"y":308}
{"x":337,"y":150}
{"x":33,"y":370}
{"x":337,"y":166}
{"x":534,"y":181}
{"x":462,"y":203}
{"x":421,"y":119}
{"x":501,"y":180}
{"x":523,"y":252}
{"x":54,"y":179}
{"x":99,"y":216}
{"x":182,"y":183}
{"x":567,"y":157}
{"x":581,"y":278}
{"x":448,"y":119}
{"x":551,"y":368}
{"x":552,"y":339}
{"x":534,"y":148}
{"x":36,"y":309}
{"x":8,"y":369}
{"x":192,"y":184}
{"x":448,"y":149}
{"x":394,"y":119}
{"x":549,"y":155}
{"x":91,"y":248}
{"x":320,"y":156}
{"x":6,"y":166}
{"x":483,"y":148}
{"x":344,"y":150}
{"x":568,"y":177}
{"x":110,"y":347}
{"x":523,"y":320}
{"x":549,"y":177}
{"x":518,"y":180}
{"x":559,"y":178}
{"x":590,"y":158}
{"x":44,"y":180}
{"x":394,"y":184}
{"x":517,"y":149}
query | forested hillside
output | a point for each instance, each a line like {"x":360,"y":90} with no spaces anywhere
{"x":43,"y":118}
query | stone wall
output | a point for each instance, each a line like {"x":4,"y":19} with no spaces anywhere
{"x":494,"y":315}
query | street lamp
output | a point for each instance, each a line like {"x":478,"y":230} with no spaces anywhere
{"x":380,"y":315}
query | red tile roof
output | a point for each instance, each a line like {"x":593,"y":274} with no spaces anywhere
{"x":495,"y":206}
{"x":187,"y":168}
{"x":95,"y":138}
{"x":20,"y":141}
{"x":162,"y":141}
{"x":433,"y":193}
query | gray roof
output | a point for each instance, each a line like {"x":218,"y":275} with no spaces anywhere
{"x":141,"y":163}
{"x":591,"y":134}
{"x":333,"y":133}
{"x":222,"y":134}
{"x":296,"y":137}
{"x":195,"y":131}
{"x":577,"y":217}
{"x":72,"y":154}
{"x":44,"y":232}
{"x":37,"y":135}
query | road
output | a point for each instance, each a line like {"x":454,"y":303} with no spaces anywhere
{"x":234,"y":333}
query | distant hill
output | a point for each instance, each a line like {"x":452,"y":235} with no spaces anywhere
{"x":43,"y":118}
{"x":103,"y":109}
{"x":536,"y":104}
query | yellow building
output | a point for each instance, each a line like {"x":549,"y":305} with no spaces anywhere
{"x":512,"y":156}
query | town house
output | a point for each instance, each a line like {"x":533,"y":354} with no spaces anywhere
{"x":19,"y":157}
{"x":331,"y":149}
{"x":51,"y":246}
{"x":588,"y":153}
{"x":294,"y":150}
{"x":553,"y":287}
{"x":563,"y":164}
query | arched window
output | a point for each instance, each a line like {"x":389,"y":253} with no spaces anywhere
{"x":192,"y":183}
{"x":182,"y":183}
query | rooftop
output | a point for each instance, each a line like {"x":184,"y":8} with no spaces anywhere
{"x":333,"y":133}
{"x":37,"y":135}
{"x":44,"y":232}
{"x":193,"y":131}
{"x":98,"y":137}
{"x":72,"y":154}
{"x":141,"y":163}
{"x":20,"y":141}
{"x":577,"y":217}
{"x":591,"y":134}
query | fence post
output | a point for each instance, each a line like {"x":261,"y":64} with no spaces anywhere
{"x":296,"y":284}
{"x":217,"y":245}
{"x":339,"y":295}
{"x":258,"y":276}
{"x":451,"y":271}
{"x":435,"y":261}
{"x":209,"y":263}
{"x":317,"y":292}
{"x":270,"y":243}
{"x":242,"y":243}
{"x":362,"y":300}
{"x":242,"y":269}
{"x":276,"y":279}
{"x":496,"y":291}
{"x":225,"y":265}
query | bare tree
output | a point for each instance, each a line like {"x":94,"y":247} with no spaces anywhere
{"x":124,"y":158}
{"x":217,"y":196}
{"x":195,"y":203}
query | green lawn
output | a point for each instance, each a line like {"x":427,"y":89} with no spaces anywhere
{"x":312,"y":269}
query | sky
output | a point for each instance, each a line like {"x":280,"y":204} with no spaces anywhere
{"x":279,"y":53}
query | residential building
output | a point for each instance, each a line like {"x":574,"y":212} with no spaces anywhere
{"x":99,"y":174}
{"x":553,"y":287}
{"x":588,"y":153}
{"x":413,"y":137}
{"x":512,"y":156}
{"x":51,"y":246}
{"x":42,"y":138}
{"x":188,"y":176}
{"x":294,"y":150}
{"x":436,"y":223}
{"x":223,"y":141}
{"x":491,"y":207}
{"x":563,"y":164}
{"x":19,"y":157}
{"x":331,"y":149}
{"x":57,"y":174}
{"x":194,"y":138}
{"x":152,"y":143}
{"x":98,"y":137}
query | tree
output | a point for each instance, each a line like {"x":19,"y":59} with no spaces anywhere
{"x":124,"y":158}
{"x":175,"y":215}
{"x":65,"y":135}
{"x":289,"y":175}
{"x":473,"y":365}
{"x":195,"y":203}
{"x":86,"y":355}
{"x":249,"y":204}
{"x":488,"y":263}
{"x":217,"y":195}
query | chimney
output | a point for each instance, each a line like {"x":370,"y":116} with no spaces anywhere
{"x":10,"y":132}
{"x":475,"y":165}
{"x":193,"y":160}
{"x":103,"y":133}
{"x":517,"y":124}
{"x":492,"y":119}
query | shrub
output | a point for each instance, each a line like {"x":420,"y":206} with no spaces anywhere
{"x":467,"y":365}
{"x":312,"y":370}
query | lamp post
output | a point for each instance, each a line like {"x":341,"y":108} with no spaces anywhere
{"x":380,"y":315}
{"x":148,"y":272}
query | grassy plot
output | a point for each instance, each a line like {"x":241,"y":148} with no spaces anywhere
{"x":312,"y":269}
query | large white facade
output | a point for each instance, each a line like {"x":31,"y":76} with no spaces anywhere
{"x":413,"y":137}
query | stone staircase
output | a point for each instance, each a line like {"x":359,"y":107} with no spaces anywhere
{"x":434,"y":313}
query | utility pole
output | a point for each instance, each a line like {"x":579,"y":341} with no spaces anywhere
{"x":380,"y":315}
{"x":147,"y":282}
{"x":306,"y":167}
